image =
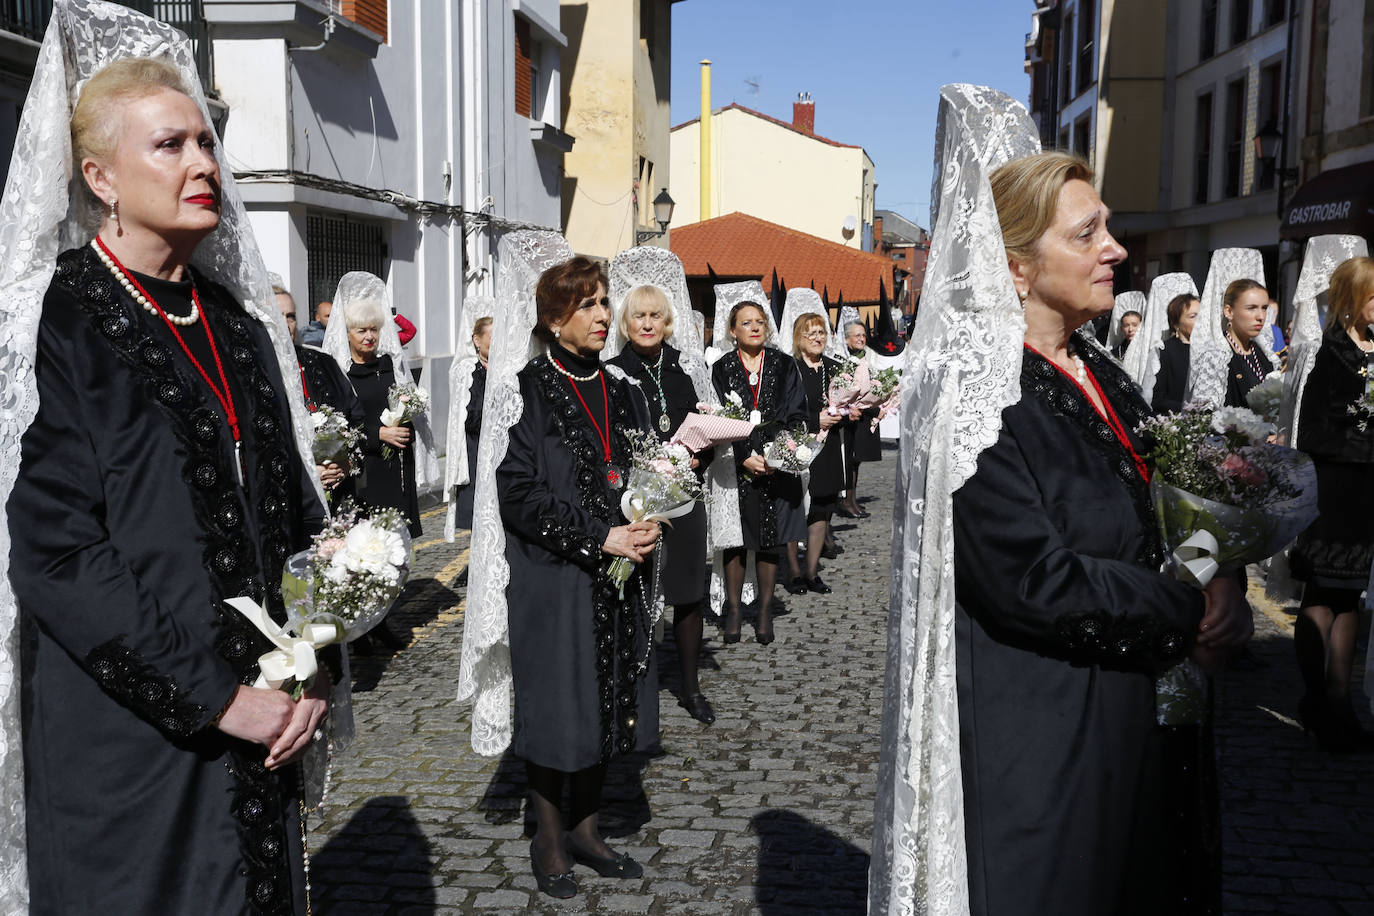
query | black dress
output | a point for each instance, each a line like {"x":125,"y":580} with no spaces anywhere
{"x":1061,"y":624}
{"x":136,"y":804}
{"x":1172,"y":379}
{"x":1336,"y":551}
{"x":770,"y":505}
{"x":828,"y":470}
{"x":1244,"y":373}
{"x":323,"y":382}
{"x":472,"y":431}
{"x":385,"y":482}
{"x":868,"y":442}
{"x":575,"y":704}
{"x":684,"y":541}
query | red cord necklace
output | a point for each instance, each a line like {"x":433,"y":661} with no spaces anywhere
{"x":603,"y":436}
{"x":222,"y":393}
{"x":1107,"y":412}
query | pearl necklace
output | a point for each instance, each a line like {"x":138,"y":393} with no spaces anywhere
{"x":149,"y":307}
{"x":575,"y":378}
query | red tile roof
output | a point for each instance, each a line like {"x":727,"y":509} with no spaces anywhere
{"x":778,"y":121}
{"x":739,"y":245}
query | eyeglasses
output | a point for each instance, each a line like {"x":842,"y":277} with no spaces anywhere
{"x":815,"y":335}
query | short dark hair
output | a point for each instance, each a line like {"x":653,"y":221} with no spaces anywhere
{"x":1177,"y":306}
{"x":561,"y":288}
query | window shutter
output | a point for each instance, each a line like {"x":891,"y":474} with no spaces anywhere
{"x":523,"y":89}
{"x":370,"y":14}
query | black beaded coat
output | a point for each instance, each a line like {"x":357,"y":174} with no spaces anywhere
{"x":1337,"y":550}
{"x":1062,"y":622}
{"x":129,"y":530}
{"x":578,"y":651}
{"x":770,"y":505}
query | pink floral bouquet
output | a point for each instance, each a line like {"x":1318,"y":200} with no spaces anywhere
{"x":886,"y":394}
{"x":793,"y":450}
{"x":846,"y":388}
{"x":662,"y":486}
{"x":336,"y":441}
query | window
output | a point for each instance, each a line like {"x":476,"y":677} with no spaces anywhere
{"x":1066,"y":62}
{"x":1208,"y":46}
{"x":1367,"y":67}
{"x":1086,"y":57}
{"x":1240,"y":21}
{"x":1270,"y":111}
{"x":1235,"y":139}
{"x":1082,"y":138}
{"x":1202,"y":145}
{"x":1064,"y":139}
{"x":336,"y":244}
{"x":370,"y":14}
{"x":1275,"y":11}
{"x":524,"y":68}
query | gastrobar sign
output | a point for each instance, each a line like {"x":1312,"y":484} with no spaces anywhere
{"x":1320,"y":213}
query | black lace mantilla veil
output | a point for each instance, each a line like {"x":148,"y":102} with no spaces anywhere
{"x":43,"y":213}
{"x":484,"y":675}
{"x":962,"y":369}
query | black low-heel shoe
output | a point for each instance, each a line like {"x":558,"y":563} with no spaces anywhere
{"x":560,"y":887}
{"x":620,"y":865}
{"x":795,"y":585}
{"x":725,"y":635}
{"x":818,"y":586}
{"x":831,"y":553}
{"x":764,"y":637}
{"x":698,"y":707}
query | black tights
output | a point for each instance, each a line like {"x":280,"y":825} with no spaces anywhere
{"x":766,"y":569}
{"x":687,"y":628}
{"x":546,"y":799}
{"x":817,"y":536}
{"x":1324,"y":640}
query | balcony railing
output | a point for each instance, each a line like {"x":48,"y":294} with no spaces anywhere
{"x":29,"y":18}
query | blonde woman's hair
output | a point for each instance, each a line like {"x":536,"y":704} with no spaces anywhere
{"x":646,"y":297}
{"x":1026,"y":193}
{"x":1352,"y":283}
{"x":480,"y":325}
{"x":95,"y":121}
{"x":804,"y":323}
{"x":365,"y":313}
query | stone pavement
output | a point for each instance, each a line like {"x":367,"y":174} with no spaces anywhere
{"x":770,"y":809}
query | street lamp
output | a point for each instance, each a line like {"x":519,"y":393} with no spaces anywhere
{"x":663,"y":215}
{"x":1267,"y":145}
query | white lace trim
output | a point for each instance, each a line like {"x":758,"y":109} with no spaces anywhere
{"x":456,"y":470}
{"x":1142,"y":356}
{"x":806,"y":301}
{"x":1132,"y":301}
{"x":1209,"y":357}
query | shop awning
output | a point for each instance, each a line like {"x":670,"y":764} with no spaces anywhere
{"x":1340,"y":201}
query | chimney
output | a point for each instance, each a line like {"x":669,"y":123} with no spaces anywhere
{"x":804,"y":113}
{"x":878,"y":233}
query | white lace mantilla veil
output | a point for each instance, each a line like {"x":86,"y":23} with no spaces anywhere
{"x":1142,"y":357}
{"x":1323,"y":255}
{"x":647,"y":265}
{"x":1209,"y":355}
{"x":358,"y":286}
{"x":806,"y":301}
{"x":962,"y":369}
{"x":484,"y":675}
{"x":1132,"y":301}
{"x":465,"y":361}
{"x":846,"y":314}
{"x":43,"y":213}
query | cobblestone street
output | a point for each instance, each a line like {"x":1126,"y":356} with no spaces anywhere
{"x":769,"y":810}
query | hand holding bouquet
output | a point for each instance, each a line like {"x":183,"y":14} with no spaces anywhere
{"x":846,"y":388}
{"x":886,"y":394}
{"x":336,"y":440}
{"x":793,"y":450}
{"x":405,"y":402}
{"x":662,"y":486}
{"x":713,"y":425}
{"x":334,"y":592}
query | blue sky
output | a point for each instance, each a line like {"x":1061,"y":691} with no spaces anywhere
{"x":873,"y":67}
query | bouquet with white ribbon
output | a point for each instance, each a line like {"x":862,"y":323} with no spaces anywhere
{"x":847,"y":387}
{"x":336,"y":440}
{"x":1224,"y":496}
{"x":662,"y":486}
{"x":405,"y":402}
{"x":793,"y":450}
{"x":334,"y":592}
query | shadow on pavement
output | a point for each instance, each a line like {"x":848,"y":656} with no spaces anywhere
{"x":624,"y":804}
{"x":381,"y":846}
{"x":803,"y":867}
{"x":421,"y":602}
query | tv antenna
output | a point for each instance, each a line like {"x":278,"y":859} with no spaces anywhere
{"x":753,"y":82}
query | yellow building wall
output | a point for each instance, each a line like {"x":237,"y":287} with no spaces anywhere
{"x":1130,"y":116}
{"x":776,"y":174}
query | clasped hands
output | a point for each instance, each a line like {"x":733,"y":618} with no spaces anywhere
{"x":1227,"y":622}
{"x":634,"y":541}
{"x":284,"y":726}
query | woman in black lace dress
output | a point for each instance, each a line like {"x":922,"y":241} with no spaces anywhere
{"x":770,"y":503}
{"x":1333,"y":556}
{"x":581,"y":653}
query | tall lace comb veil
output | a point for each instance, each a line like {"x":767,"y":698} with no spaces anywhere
{"x":962,"y":369}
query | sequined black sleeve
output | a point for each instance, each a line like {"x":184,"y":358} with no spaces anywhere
{"x":1018,"y":578}
{"x":72,"y":580}
{"x":530,"y":506}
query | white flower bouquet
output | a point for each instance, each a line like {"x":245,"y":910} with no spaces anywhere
{"x":1363,"y":407}
{"x":336,"y":440}
{"x":731,"y":409}
{"x":885,"y":394}
{"x":405,"y":402}
{"x":1266,"y":397}
{"x":793,"y":450}
{"x":847,"y":387}
{"x":662,"y":486}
